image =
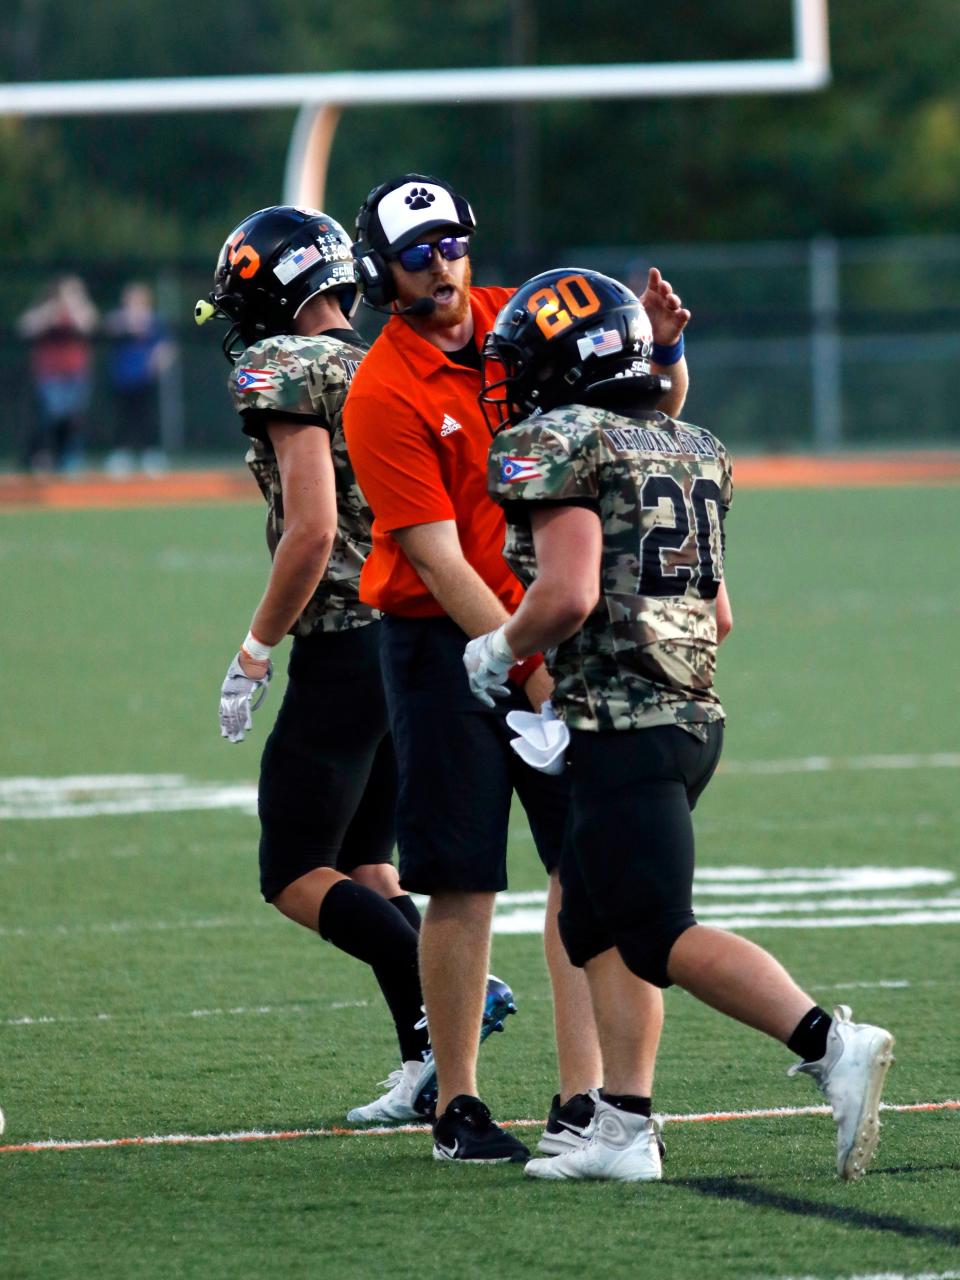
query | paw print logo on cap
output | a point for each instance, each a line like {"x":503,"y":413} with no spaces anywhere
{"x":419,"y":198}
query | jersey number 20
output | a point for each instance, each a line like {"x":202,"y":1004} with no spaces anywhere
{"x":656,"y":577}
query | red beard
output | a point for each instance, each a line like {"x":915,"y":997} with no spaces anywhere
{"x":450,"y":315}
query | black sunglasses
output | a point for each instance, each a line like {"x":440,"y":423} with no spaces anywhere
{"x":417,"y":257}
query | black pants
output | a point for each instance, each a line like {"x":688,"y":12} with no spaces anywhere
{"x":456,"y":768}
{"x":627,"y":865}
{"x":328,"y":785}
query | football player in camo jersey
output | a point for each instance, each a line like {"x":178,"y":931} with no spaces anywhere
{"x":437,"y":572}
{"x":615,"y":517}
{"x":327,"y":791}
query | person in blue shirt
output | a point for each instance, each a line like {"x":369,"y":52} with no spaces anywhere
{"x":140,"y":352}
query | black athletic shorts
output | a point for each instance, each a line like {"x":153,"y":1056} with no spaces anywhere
{"x":627,"y":865}
{"x":457,"y":770}
{"x":328,"y":787}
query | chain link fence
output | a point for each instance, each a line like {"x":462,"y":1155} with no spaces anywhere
{"x":817,"y":346}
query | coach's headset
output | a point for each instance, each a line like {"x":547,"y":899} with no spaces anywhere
{"x":374,"y":277}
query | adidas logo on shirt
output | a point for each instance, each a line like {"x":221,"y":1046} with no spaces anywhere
{"x":450,"y":425}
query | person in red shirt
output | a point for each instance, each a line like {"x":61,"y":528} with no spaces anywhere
{"x":418,"y":443}
{"x":60,"y":330}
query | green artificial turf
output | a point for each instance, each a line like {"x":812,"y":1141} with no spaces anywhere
{"x":148,"y":991}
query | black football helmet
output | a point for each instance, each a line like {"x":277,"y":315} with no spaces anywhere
{"x":568,"y":336}
{"x":273,"y":263}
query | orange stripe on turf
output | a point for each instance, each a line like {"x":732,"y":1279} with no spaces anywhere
{"x":254,"y":1135}
{"x":775,"y":471}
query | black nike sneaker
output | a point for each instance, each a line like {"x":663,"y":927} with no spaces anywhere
{"x":465,"y":1131}
{"x":568,"y":1126}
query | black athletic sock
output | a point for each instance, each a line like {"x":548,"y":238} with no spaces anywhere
{"x":809,"y":1038}
{"x":408,"y":909}
{"x":366,"y":925}
{"x":628,"y":1102}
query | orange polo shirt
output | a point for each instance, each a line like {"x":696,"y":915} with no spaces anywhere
{"x":418,"y":443}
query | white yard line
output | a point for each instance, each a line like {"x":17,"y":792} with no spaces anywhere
{"x":308,"y":1008}
{"x":525,"y":922}
{"x":835,"y":764}
{"x":239,"y":1011}
{"x":833,"y":897}
{"x":880,"y":1275}
{"x":259,"y":1135}
{"x":889,"y":984}
{"x":736,"y":879}
{"x":98,"y":795}
{"x":843,"y":922}
{"x":135,"y":926}
{"x":530,"y":921}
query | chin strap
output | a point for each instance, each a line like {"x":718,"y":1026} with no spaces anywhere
{"x":233,"y":346}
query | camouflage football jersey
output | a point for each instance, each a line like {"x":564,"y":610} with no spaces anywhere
{"x":646,"y":655}
{"x":292,"y":375}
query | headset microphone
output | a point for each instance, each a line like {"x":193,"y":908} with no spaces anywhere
{"x":419,"y":307}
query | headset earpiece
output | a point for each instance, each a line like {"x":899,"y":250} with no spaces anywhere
{"x":374,"y":277}
{"x":372,"y":271}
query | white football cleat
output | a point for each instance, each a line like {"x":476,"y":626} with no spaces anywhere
{"x":850,"y":1075}
{"x":620,"y":1147}
{"x":396,"y":1105}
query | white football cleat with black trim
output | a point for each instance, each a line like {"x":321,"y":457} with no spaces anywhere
{"x":850,"y":1075}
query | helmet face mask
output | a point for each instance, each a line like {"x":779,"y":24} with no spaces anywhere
{"x":270,"y":267}
{"x":568,"y":336}
{"x":498,"y":371}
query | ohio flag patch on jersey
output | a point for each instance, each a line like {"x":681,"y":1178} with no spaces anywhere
{"x":514,"y":469}
{"x":256,"y":379}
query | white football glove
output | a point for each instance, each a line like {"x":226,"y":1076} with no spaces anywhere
{"x":488,"y":658}
{"x":240,"y":695}
{"x":543,"y":738}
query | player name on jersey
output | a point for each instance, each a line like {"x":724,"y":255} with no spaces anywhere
{"x":645,"y":439}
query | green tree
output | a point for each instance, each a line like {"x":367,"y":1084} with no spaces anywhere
{"x":875,"y":153}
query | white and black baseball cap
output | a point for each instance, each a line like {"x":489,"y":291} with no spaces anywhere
{"x":400,"y":212}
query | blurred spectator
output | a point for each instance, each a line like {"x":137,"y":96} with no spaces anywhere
{"x":59,"y":330}
{"x":140,"y":351}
